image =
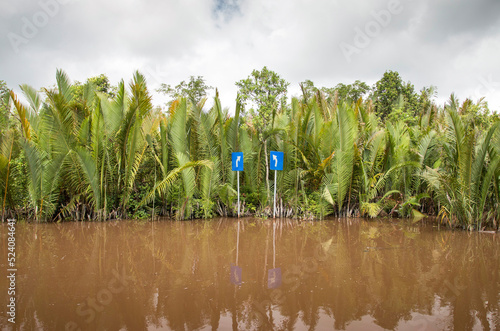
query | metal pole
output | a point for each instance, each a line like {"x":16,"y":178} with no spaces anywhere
{"x":275,"y":175}
{"x":238,"y":176}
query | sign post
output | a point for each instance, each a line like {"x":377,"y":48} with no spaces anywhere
{"x":237,"y":165}
{"x":276,"y":163}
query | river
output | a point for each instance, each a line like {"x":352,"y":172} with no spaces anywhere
{"x":252,"y":274}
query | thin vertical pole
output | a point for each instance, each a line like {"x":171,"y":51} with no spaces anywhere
{"x":275,"y":175}
{"x":238,"y":176}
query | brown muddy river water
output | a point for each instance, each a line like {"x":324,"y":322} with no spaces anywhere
{"x":253,"y":274}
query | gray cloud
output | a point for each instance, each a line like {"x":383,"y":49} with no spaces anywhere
{"x":446,"y":19}
{"x":450,"y":44}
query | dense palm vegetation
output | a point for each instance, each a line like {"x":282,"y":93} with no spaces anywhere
{"x":77,"y":151}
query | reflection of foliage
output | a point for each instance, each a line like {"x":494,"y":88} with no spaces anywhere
{"x":180,"y":274}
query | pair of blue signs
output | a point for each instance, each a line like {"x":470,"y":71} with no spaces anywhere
{"x":275,"y":161}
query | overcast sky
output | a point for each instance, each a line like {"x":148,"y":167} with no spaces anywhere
{"x":451,"y":44}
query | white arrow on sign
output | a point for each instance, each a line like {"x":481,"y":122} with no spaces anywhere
{"x":275,"y":158}
{"x":237,"y":160}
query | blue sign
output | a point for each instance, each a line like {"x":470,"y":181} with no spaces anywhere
{"x":274,"y":278}
{"x":276,"y":160}
{"x":237,"y":161}
{"x":236,"y":275}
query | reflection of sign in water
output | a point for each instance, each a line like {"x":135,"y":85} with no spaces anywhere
{"x":236,"y":275}
{"x":276,"y":162}
{"x":274,"y":278}
{"x":237,"y":161}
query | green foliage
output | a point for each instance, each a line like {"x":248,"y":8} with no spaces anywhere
{"x":194,"y":90}
{"x":338,"y":183}
{"x":348,"y":92}
{"x":267,"y":91}
{"x":315,"y":205}
{"x":471,"y":163}
{"x":4,"y":105}
{"x":99,"y":84}
{"x":76,"y":159}
{"x":476,"y":114}
{"x":78,"y":152}
{"x":308,"y":89}
{"x":387,"y":93}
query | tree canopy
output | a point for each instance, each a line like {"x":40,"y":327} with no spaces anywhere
{"x":387,"y":92}
{"x":4,"y":110}
{"x":348,"y":92}
{"x":267,"y":91}
{"x":101,"y":84}
{"x":194,"y":90}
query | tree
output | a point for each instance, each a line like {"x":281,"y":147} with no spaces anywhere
{"x":3,"y":89}
{"x":476,"y":114}
{"x":308,"y":89}
{"x":426,"y":96}
{"x":7,"y":144}
{"x":386,"y":94}
{"x":267,"y":90}
{"x":464,"y":186}
{"x":4,"y":109}
{"x":194,"y":90}
{"x":351,"y":92}
{"x":101,"y":84}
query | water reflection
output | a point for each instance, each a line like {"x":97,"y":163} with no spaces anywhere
{"x":274,"y":275}
{"x":174,"y":275}
{"x":235,"y":270}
